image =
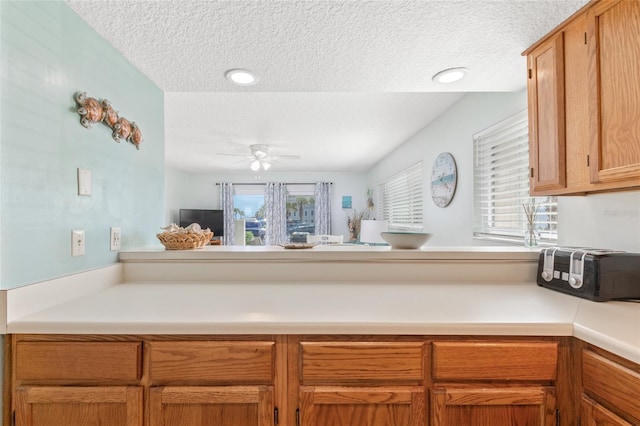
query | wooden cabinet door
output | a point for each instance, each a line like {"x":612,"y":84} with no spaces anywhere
{"x":79,"y":406}
{"x":614,"y":54}
{"x":547,"y":116}
{"x":523,"y":406}
{"x":362,"y":406}
{"x":211,"y":405}
{"x":594,"y":414}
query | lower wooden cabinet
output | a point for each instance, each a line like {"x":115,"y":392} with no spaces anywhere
{"x":610,"y":389}
{"x":362,"y":406}
{"x":501,"y":406}
{"x":317,"y":381}
{"x":359,"y":381}
{"x":594,"y":414}
{"x":211,"y":405}
{"x":78,"y":406}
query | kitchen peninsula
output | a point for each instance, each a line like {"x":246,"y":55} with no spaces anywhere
{"x":292,"y":333}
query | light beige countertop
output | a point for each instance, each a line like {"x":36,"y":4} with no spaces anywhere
{"x":299,"y":308}
{"x":614,"y":326}
{"x":342,"y":253}
{"x":445,"y":292}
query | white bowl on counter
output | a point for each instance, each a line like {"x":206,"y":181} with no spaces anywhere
{"x":405,"y":240}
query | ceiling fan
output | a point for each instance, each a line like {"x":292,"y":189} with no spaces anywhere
{"x":260,"y":157}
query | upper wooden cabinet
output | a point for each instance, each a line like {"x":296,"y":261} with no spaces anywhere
{"x":546,"y":115}
{"x":614,"y":59}
{"x":584,"y":102}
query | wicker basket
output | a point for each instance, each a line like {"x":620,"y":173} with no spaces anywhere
{"x":175,"y":241}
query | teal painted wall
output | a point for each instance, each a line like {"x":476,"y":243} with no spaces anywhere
{"x":48,"y":54}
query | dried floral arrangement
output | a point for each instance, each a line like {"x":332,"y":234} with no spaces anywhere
{"x":531,"y":211}
{"x":531,"y":237}
{"x":93,"y":111}
{"x":354,"y":219}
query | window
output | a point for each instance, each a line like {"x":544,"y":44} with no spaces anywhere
{"x":301,"y":205}
{"x":248,"y":204}
{"x":501,"y":184}
{"x":400,"y":198}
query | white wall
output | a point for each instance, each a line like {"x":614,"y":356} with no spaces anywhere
{"x":179,"y":193}
{"x":610,"y":220}
{"x":451,"y":132}
{"x":199,"y":191}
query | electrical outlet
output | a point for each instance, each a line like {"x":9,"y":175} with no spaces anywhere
{"x":77,"y":243}
{"x":84,"y":182}
{"x":116,"y":238}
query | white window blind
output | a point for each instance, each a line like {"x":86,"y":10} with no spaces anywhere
{"x":400,"y":198}
{"x":501,"y":184}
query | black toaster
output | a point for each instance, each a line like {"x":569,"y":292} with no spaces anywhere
{"x":593,"y":274}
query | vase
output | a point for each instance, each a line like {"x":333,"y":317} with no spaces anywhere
{"x":531,"y":236}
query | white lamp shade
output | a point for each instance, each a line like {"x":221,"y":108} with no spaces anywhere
{"x":370,"y":231}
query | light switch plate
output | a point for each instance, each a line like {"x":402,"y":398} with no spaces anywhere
{"x":84,"y":181}
{"x":77,"y":242}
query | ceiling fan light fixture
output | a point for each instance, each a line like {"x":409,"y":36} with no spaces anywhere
{"x":450,"y":75}
{"x":266,"y":166}
{"x":241,"y":77}
{"x":255,"y":165}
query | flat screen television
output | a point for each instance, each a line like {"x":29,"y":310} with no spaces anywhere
{"x":212,"y":219}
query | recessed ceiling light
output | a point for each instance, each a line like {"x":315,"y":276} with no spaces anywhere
{"x":241,"y":77}
{"x":450,"y":75}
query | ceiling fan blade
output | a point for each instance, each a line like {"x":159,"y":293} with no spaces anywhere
{"x":284,"y":157}
{"x":244,"y":160}
{"x":248,"y":157}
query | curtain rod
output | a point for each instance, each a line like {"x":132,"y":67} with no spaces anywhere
{"x":286,"y":183}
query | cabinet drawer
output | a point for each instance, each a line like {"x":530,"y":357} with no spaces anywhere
{"x":609,"y":381}
{"x":357,"y":361}
{"x":212,"y":362}
{"x":78,"y":361}
{"x":530,"y":361}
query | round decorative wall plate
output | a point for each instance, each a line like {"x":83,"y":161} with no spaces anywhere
{"x":444,"y":178}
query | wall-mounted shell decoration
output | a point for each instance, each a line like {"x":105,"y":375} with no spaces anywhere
{"x":122,"y":129}
{"x":136,"y":135}
{"x":110,"y":114}
{"x":92,"y":111}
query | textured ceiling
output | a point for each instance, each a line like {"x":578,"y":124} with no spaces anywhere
{"x":360,"y":70}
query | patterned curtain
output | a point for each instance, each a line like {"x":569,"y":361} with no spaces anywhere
{"x":275,"y":201}
{"x":323,"y":208}
{"x":226,"y":201}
